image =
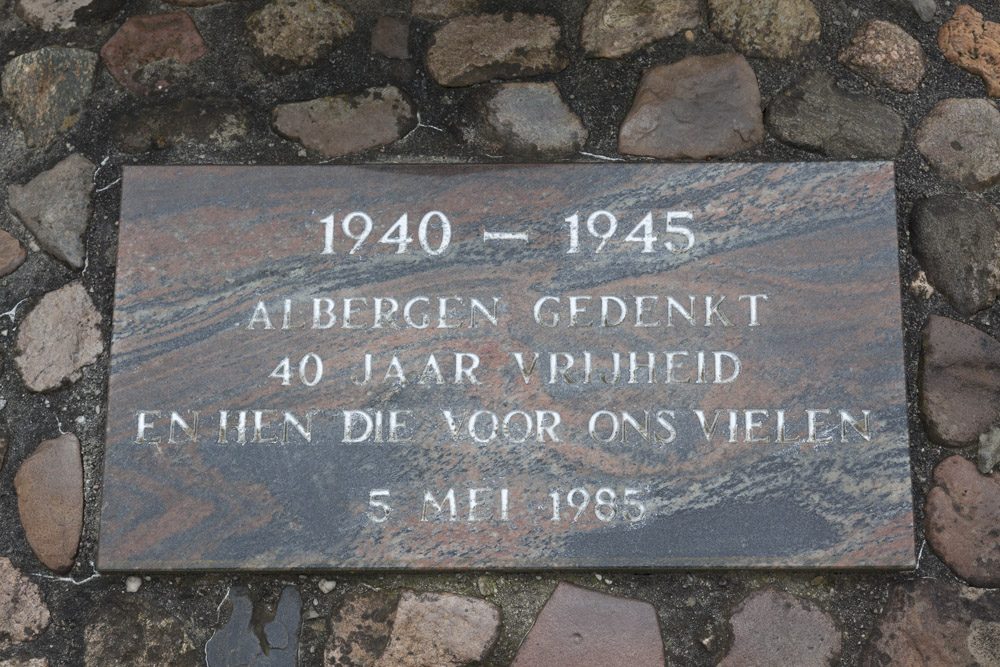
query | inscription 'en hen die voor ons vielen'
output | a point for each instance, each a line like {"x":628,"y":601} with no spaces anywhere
{"x":630,"y":365}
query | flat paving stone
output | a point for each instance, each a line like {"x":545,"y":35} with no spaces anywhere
{"x":359,"y":629}
{"x":12,"y":255}
{"x":700,"y":107}
{"x":774,"y":628}
{"x":23,"y":614}
{"x":956,"y":238}
{"x":960,"y":139}
{"x":50,"y":501}
{"x":137,"y":633}
{"x":474,"y":49}
{"x":442,"y":10}
{"x":614,"y":28}
{"x":210,"y":123}
{"x":962,"y":515}
{"x":959,"y":382}
{"x":936,"y":623}
{"x":440,"y":629}
{"x":531,"y":119}
{"x":46,"y":89}
{"x":334,"y":126}
{"x":51,"y":15}
{"x":579,"y":627}
{"x":242,"y":642}
{"x":886,"y":55}
{"x":292,"y":34}
{"x":58,"y":338}
{"x":55,"y":206}
{"x":815,"y":115}
{"x":146,"y":40}
{"x":973,"y":44}
{"x":390,"y":37}
{"x":778,"y":29}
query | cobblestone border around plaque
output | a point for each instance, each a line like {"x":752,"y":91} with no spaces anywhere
{"x":91,"y":85}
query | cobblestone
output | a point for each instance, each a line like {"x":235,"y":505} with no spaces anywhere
{"x":55,"y":207}
{"x":780,"y":29}
{"x":973,"y":44}
{"x":143,"y":41}
{"x":23,"y":614}
{"x":959,"y":382}
{"x":293,"y":34}
{"x":963,"y":511}
{"x":960,"y":138}
{"x":58,"y":338}
{"x":929,"y":622}
{"x":702,"y":106}
{"x":957,"y":240}
{"x":474,"y":49}
{"x":613,"y":28}
{"x":346,"y":124}
{"x":531,"y":119}
{"x":884,"y":54}
{"x":50,"y":501}
{"x":816,"y":115}
{"x":46,"y":90}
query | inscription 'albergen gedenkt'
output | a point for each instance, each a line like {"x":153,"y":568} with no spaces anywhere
{"x":597,"y":370}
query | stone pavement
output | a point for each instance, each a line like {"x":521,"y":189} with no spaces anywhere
{"x":90,"y":85}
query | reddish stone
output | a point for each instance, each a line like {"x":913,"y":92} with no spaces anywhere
{"x":579,"y":627}
{"x":50,"y":501}
{"x":963,"y":521}
{"x":23,"y":614}
{"x":959,"y":382}
{"x":346,"y":124}
{"x":774,"y":628}
{"x":58,"y":338}
{"x":936,"y":623}
{"x":702,"y":106}
{"x":440,"y":629}
{"x":143,"y":40}
{"x":12,"y":255}
{"x":886,"y":55}
{"x":973,"y":44}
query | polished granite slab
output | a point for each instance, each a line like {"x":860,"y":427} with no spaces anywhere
{"x":515,"y":367}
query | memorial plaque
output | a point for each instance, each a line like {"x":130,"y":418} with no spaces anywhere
{"x":519,"y":367}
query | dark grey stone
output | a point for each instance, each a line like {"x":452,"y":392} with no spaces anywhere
{"x":957,"y":240}
{"x":55,"y":206}
{"x":242,"y":641}
{"x":815,"y":115}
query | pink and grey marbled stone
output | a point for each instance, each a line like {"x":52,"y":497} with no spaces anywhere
{"x":200,"y":247}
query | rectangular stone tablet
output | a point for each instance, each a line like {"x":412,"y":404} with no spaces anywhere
{"x":518,"y":367}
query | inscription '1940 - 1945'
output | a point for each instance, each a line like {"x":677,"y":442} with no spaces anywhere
{"x":414,"y":367}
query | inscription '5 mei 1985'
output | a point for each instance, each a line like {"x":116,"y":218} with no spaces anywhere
{"x":516,"y":367}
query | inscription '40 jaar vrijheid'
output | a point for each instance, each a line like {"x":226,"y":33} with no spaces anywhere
{"x":469,"y":366}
